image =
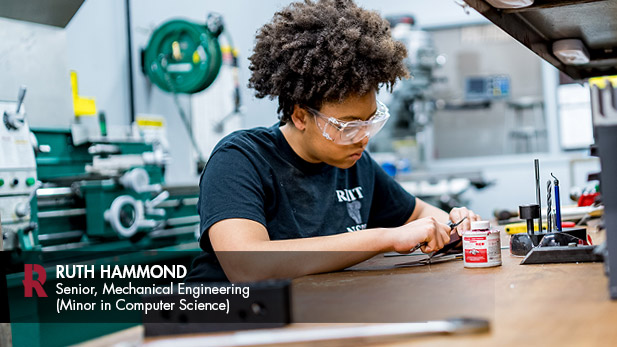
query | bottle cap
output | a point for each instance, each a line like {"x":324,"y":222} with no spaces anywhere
{"x":480,"y":225}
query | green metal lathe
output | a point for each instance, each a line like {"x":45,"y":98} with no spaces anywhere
{"x":66,"y":197}
{"x":88,"y":200}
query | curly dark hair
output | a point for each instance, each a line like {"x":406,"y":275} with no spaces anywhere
{"x":324,"y":51}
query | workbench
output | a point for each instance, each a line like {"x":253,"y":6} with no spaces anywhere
{"x":553,"y":304}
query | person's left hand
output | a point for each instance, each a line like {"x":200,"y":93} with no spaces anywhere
{"x":458,"y":213}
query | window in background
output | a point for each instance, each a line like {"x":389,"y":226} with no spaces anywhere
{"x":574,"y":112}
{"x":488,"y":95}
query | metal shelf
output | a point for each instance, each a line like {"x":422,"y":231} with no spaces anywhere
{"x":546,"y":21}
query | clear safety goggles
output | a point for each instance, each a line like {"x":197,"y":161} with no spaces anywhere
{"x":346,"y":133}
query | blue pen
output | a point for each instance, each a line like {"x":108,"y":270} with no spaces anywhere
{"x":557,"y":203}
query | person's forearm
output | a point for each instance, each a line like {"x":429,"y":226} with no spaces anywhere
{"x":298,"y":257}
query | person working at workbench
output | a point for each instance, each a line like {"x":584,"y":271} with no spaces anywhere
{"x":306,"y":183}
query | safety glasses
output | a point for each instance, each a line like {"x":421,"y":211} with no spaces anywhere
{"x":346,"y":133}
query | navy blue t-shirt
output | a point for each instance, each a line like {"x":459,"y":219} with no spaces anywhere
{"x":255,"y":174}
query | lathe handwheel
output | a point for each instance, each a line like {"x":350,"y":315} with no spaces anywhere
{"x":124,"y":215}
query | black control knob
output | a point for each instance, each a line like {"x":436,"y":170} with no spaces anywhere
{"x":15,"y":182}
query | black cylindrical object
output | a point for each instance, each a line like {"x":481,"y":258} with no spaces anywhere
{"x":530,"y":226}
{"x":529,"y":213}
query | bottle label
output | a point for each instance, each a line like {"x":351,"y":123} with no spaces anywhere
{"x":476,"y":255}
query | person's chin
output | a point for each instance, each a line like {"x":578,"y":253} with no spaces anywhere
{"x":355,"y":157}
{"x":348,"y":161}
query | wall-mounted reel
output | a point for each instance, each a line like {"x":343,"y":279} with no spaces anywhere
{"x":184,"y":57}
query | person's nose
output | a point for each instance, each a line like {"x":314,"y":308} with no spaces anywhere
{"x":364,"y":142}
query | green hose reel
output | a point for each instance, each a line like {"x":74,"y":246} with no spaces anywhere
{"x":184,"y":57}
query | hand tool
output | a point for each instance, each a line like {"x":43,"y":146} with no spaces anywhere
{"x":549,"y":207}
{"x":557,"y":204}
{"x":288,"y":336}
{"x":538,"y":195}
{"x":417,"y":247}
{"x":455,"y":240}
{"x":452,"y":226}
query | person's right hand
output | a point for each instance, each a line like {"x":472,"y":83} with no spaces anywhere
{"x":424,"y":230}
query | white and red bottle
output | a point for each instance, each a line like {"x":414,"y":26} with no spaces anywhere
{"x":481,"y":245}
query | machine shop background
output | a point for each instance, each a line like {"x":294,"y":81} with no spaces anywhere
{"x":94,"y":44}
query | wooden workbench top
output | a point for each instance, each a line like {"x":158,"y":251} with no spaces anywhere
{"x":527,"y":305}
{"x":552,"y":304}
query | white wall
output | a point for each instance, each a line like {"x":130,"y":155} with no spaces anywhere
{"x":34,"y":55}
{"x":97,"y":50}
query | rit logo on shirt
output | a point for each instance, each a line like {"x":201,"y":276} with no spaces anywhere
{"x":349,"y":195}
{"x":351,"y":198}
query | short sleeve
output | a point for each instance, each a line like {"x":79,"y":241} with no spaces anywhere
{"x":392,"y":205}
{"x":230,"y":187}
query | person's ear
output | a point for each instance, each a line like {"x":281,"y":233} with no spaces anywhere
{"x":299,"y":117}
